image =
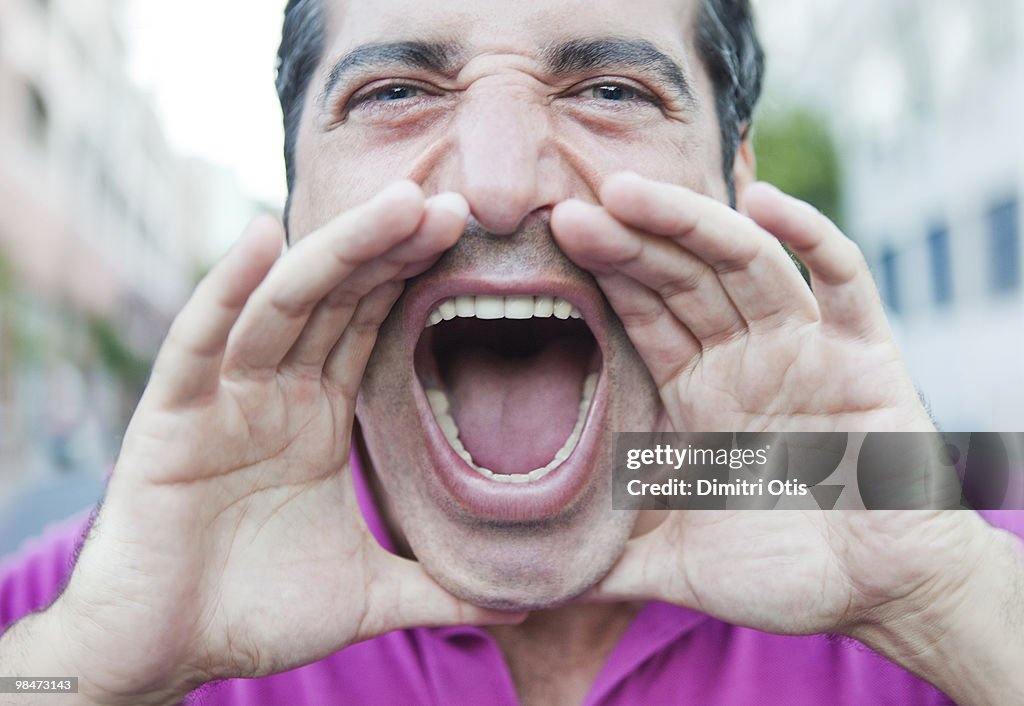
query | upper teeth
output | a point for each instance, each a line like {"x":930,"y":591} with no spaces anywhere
{"x":442,"y":412}
{"x":517,"y":306}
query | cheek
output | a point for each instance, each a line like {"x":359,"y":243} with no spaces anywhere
{"x":675,"y":153}
{"x":388,"y":378}
{"x":342,"y":171}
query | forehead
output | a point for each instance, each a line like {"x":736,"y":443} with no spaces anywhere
{"x":511,"y":26}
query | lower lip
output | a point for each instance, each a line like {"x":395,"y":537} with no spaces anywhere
{"x":537,"y":500}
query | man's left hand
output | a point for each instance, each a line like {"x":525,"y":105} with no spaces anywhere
{"x":735,"y":340}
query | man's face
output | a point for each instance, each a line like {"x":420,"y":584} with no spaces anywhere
{"x":517,"y":106}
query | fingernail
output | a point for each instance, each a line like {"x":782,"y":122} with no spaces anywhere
{"x":397,"y":187}
{"x":575,"y":203}
{"x":450,"y":201}
{"x":769,"y":186}
{"x":628,"y":175}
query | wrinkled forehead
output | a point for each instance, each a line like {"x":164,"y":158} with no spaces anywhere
{"x":522,"y":27}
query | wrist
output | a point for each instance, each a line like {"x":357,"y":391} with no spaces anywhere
{"x":958,"y":632}
{"x":55,"y":643}
{"x":30,"y":649}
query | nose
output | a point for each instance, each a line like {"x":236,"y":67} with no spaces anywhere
{"x":502,"y":157}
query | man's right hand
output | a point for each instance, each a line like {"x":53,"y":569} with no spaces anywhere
{"x":230,"y":543}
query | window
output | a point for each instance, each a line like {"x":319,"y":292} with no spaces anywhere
{"x":889,"y":263}
{"x":999,"y":36}
{"x":1004,"y":247}
{"x":941,"y":265}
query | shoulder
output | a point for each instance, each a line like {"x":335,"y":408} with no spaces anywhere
{"x":33,"y":577}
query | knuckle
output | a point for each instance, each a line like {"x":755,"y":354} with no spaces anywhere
{"x":736,"y":258}
{"x":682,"y":222}
{"x":641,"y":317}
{"x":683,"y":283}
{"x":855,"y":254}
{"x":851,"y":260}
{"x":291,"y":309}
{"x":342,"y":298}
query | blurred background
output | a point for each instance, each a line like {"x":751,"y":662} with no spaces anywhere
{"x":137,"y":138}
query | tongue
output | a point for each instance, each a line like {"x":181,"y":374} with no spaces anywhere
{"x":514,"y":414}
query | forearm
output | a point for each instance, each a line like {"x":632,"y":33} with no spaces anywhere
{"x":970,"y":642}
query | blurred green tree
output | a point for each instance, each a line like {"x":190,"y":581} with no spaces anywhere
{"x":796,"y":152}
{"x":117,"y":355}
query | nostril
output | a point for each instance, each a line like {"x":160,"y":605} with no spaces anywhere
{"x":508,"y":221}
{"x":498,"y":221}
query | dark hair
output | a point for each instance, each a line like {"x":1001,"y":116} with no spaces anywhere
{"x":731,"y":51}
{"x":726,"y":39}
{"x":302,"y":45}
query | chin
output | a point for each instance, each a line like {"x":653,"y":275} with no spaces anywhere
{"x":523,"y":566}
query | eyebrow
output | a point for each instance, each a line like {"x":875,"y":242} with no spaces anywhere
{"x":569,"y":57}
{"x":437,"y":57}
{"x":583,"y":55}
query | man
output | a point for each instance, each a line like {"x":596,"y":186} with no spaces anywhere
{"x":510,"y":239}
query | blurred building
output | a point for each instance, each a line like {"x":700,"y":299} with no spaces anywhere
{"x":925,"y":98}
{"x":99,"y":226}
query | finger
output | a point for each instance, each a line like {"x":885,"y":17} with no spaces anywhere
{"x":754,"y":270}
{"x":189,"y":361}
{"x":277,"y":312}
{"x":443,"y":222}
{"x":840,"y":277}
{"x":654,"y":566}
{"x":640,"y":574}
{"x":664,"y":343}
{"x":689,"y":288}
{"x":345,"y":364}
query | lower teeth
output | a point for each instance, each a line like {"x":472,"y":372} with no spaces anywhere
{"x":439,"y":404}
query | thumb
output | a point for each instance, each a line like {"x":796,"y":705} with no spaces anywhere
{"x":647,"y":570}
{"x":402,"y":595}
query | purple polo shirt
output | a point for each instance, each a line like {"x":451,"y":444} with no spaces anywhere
{"x":669,"y":655}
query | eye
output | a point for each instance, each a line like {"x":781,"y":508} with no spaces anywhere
{"x":393,"y":93}
{"x":614,"y":94}
{"x":388,"y":97}
{"x":611,"y":92}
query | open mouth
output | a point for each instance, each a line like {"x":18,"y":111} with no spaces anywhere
{"x":510,"y":382}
